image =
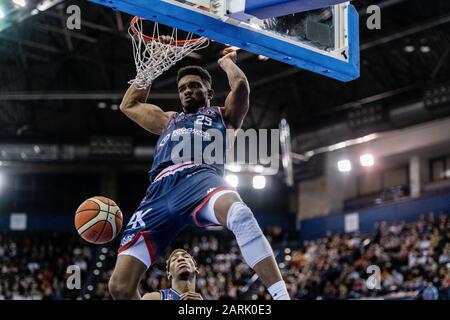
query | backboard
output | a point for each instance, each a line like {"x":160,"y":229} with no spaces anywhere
{"x":321,"y":36}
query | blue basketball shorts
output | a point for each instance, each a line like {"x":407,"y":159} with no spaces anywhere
{"x":181,"y":195}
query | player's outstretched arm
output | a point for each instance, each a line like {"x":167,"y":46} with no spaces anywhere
{"x":148,"y":116}
{"x":152,"y":296}
{"x":237,"y":102}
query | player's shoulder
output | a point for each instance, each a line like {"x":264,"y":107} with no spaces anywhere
{"x":213,"y":110}
{"x":173,"y":115}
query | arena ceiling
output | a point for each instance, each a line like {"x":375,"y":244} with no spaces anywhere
{"x":65,"y":86}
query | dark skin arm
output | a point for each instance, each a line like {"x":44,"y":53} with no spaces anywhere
{"x":237,"y":101}
{"x":149,"y":116}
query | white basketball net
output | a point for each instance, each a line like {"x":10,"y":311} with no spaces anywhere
{"x":153,"y":57}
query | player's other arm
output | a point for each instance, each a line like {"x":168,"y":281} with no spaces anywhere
{"x":148,"y":116}
{"x":237,"y":101}
{"x":152,"y":296}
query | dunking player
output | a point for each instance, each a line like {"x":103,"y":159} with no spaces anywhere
{"x":182,"y":272}
{"x":190,"y":192}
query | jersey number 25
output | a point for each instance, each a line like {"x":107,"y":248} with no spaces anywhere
{"x":203,"y":120}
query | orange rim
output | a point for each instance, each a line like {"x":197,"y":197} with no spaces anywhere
{"x":150,"y":39}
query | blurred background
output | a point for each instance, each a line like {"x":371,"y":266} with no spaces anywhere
{"x":371,"y":158}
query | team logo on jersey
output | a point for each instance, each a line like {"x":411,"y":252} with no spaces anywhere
{"x":163,"y":141}
{"x":207,"y":111}
{"x":126,"y":240}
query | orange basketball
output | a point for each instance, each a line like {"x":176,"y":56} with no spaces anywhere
{"x":98,"y":220}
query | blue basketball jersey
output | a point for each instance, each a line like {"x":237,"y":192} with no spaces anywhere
{"x":186,"y":139}
{"x":179,"y":189}
{"x":169,"y":294}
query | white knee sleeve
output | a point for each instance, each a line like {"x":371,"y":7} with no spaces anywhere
{"x":253,"y":244}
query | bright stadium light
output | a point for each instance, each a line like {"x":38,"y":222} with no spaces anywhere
{"x":344,"y":166}
{"x":367,"y":160}
{"x":258,"y":168}
{"x":259,"y":182}
{"x":20,"y":3}
{"x":2,"y":15}
{"x":233,"y":180}
{"x":233,"y":167}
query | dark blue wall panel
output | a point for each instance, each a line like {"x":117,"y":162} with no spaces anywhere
{"x":407,"y":211}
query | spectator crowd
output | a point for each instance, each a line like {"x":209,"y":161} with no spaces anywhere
{"x":413,"y":260}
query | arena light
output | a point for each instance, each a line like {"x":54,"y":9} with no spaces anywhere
{"x":259,"y":182}
{"x":47,"y":4}
{"x":367,"y":160}
{"x":2,"y":14}
{"x":233,"y":180}
{"x":425,"y":49}
{"x":437,"y":96}
{"x":344,"y":166}
{"x":20,"y":3}
{"x":410,"y":49}
{"x":233,"y":167}
{"x":258,"y":168}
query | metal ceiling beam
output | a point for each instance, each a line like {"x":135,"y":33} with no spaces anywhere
{"x":408,"y":32}
{"x":381,"y":4}
{"x":369,"y":45}
{"x":107,"y":96}
{"x":440,"y":63}
{"x":88,"y":24}
{"x":64,"y":31}
{"x":371,"y":99}
{"x":31,"y":44}
{"x":24,"y":13}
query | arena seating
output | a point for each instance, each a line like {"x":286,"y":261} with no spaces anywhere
{"x":414,"y":260}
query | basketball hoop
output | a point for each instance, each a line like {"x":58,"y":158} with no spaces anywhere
{"x":155,"y":54}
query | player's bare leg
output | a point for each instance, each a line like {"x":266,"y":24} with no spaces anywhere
{"x":125,"y":279}
{"x":254,"y":247}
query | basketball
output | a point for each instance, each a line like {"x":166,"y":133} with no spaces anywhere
{"x":98,"y":220}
